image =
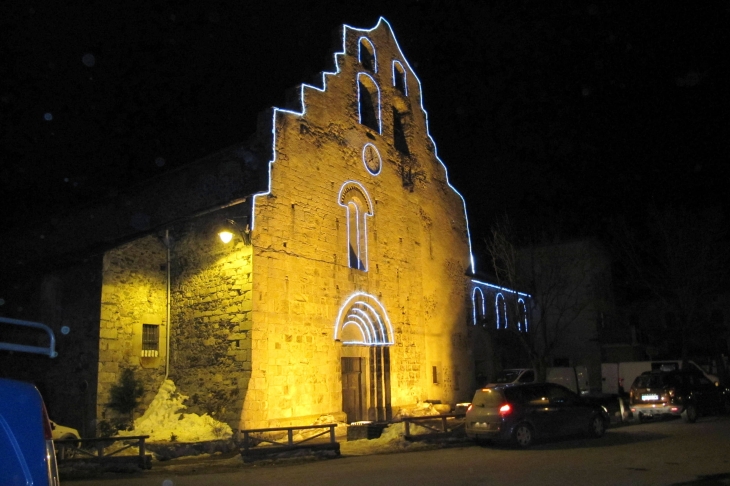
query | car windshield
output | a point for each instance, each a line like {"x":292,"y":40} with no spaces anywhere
{"x":507,"y":376}
{"x":488,"y":398}
{"x":651,"y":380}
{"x":527,"y":394}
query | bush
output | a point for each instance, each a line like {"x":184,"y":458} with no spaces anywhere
{"x":125,"y":395}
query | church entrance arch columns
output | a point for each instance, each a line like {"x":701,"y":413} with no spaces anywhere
{"x":366,"y":334}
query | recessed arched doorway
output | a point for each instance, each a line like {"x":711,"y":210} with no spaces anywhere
{"x":366,"y":334}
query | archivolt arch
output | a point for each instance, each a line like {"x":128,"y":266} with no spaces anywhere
{"x":363,"y":320}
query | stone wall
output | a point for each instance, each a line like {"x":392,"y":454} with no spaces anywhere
{"x":210,"y":307}
{"x":417,"y":250}
{"x":133,"y":294}
{"x":211,"y":320}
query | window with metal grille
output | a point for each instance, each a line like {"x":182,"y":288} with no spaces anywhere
{"x":150,"y":340}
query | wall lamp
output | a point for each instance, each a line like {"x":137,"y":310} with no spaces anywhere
{"x":230,"y":228}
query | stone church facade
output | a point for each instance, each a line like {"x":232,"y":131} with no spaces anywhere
{"x":344,"y":291}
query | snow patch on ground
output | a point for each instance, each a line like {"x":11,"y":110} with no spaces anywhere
{"x":164,"y":422}
{"x":391,"y":440}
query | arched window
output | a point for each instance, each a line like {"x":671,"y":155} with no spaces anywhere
{"x":368,"y":98}
{"x":354,"y":198}
{"x":366,"y":55}
{"x":500,"y":307}
{"x":399,"y":133}
{"x":399,"y":77}
{"x":522,"y":318}
{"x":478,"y":308}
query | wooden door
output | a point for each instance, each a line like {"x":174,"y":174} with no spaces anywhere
{"x":352,"y":388}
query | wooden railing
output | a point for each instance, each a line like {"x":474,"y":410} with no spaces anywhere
{"x":254,"y":437}
{"x":79,"y":448}
{"x":438,"y":425}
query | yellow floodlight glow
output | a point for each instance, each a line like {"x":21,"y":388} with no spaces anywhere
{"x":225,"y":236}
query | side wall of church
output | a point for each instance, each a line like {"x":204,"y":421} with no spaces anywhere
{"x":210,"y":308}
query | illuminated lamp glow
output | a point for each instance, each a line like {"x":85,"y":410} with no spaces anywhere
{"x":360,"y":219}
{"x":475,"y":313}
{"x":301,"y":113}
{"x":360,"y":47}
{"x":377,"y":89}
{"x":365,"y":309}
{"x":225,"y":236}
{"x":400,"y":72}
{"x":505,"y":409}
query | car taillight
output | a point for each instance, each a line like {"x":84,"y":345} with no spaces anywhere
{"x":46,"y":423}
{"x":505,"y":409}
{"x":469,"y":407}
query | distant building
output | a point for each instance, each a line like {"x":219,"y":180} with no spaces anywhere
{"x":574,"y":314}
{"x":345,"y":288}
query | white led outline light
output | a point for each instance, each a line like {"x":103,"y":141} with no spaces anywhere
{"x":474,"y":304}
{"x":365,"y":318}
{"x":402,"y":74}
{"x":369,"y":212}
{"x":504,"y":308}
{"x":504,"y":289}
{"x":359,"y":298}
{"x":372,"y":47}
{"x":301,"y":113}
{"x":524,"y":309}
{"x":378,"y":113}
{"x":363,"y":332}
{"x":380,"y":159}
{"x":365,"y":321}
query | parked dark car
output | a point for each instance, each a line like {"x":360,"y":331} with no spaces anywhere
{"x":523,"y":413}
{"x":684,"y":393}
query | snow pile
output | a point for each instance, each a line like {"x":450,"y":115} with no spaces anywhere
{"x":391,"y":440}
{"x":163,"y":421}
{"x":419,"y":410}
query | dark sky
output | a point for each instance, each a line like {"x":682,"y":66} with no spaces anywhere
{"x":558,"y":113}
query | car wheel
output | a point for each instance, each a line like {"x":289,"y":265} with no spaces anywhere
{"x":642,"y":419}
{"x":523,"y":436}
{"x":690,"y":414}
{"x":597,"y":426}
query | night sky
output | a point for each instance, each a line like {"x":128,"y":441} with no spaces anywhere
{"x":560,"y":114}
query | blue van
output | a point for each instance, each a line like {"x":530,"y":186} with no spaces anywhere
{"x":27,"y":455}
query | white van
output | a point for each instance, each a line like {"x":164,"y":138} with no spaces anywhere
{"x":574,"y":378}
